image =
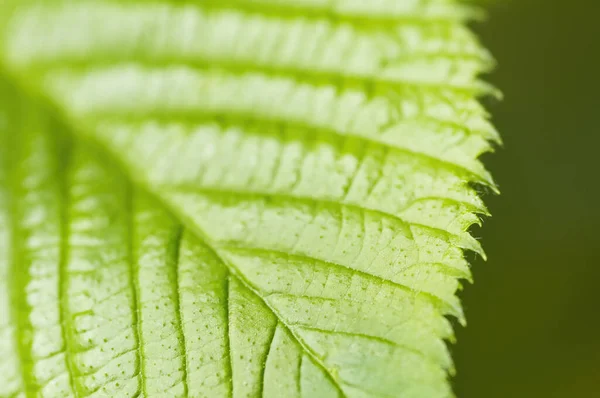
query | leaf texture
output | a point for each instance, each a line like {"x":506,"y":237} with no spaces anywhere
{"x":236,"y":198}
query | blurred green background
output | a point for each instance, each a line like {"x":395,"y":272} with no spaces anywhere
{"x":534,"y":310}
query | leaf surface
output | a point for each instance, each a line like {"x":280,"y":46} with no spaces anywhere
{"x":236,"y":198}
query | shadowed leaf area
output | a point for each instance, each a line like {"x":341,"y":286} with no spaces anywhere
{"x":236,"y":198}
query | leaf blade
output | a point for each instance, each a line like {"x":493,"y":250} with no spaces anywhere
{"x":351,"y":170}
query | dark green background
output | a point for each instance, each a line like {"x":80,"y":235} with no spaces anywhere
{"x":534,"y":311}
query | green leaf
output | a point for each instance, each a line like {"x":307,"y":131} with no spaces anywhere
{"x":236,"y":198}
